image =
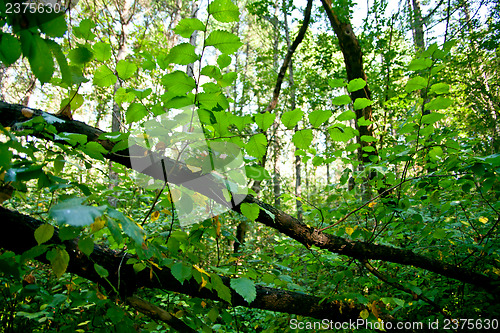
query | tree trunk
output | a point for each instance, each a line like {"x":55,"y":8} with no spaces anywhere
{"x":353,"y":59}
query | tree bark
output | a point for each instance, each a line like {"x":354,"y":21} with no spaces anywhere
{"x":353,"y":59}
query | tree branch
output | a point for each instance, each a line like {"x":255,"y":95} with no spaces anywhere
{"x":20,"y":239}
{"x":269,"y":215}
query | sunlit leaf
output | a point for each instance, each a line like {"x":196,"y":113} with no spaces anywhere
{"x":440,"y":88}
{"x":355,"y":85}
{"x":303,"y":138}
{"x":419,"y":64}
{"x":187,"y":26}
{"x":125,"y":69}
{"x":178,"y":82}
{"x":346,"y":115}
{"x":257,"y":145}
{"x":135,"y":112}
{"x":183,"y":54}
{"x":104,"y":77}
{"x":224,"y":11}
{"x":264,"y":120}
{"x":102,"y":51}
{"x":224,"y":41}
{"x":439,"y":103}
{"x":250,"y":210}
{"x":291,"y":118}
{"x":361,"y":103}
{"x":341,"y":100}
{"x":416,"y":83}
{"x":318,"y":117}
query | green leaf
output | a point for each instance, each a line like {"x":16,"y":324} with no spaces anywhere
{"x":250,"y":210}
{"x":440,"y":88}
{"x":368,"y":138}
{"x":318,"y":117}
{"x":125,"y":69}
{"x":10,"y":49}
{"x":84,"y":30}
{"x":187,"y":26}
{"x":43,"y":233}
{"x":211,"y":71}
{"x":72,"y":212}
{"x":135,"y":112}
{"x":55,"y":27}
{"x":355,"y":85}
{"x":141,"y":93}
{"x":245,"y":287}
{"x":419,"y":64}
{"x":123,"y":96}
{"x":291,"y":118}
{"x":181,"y":272}
{"x":178,"y":82}
{"x":68,"y":232}
{"x":66,"y":75}
{"x":257,"y":145}
{"x":94,"y":150}
{"x":39,"y":56}
{"x":59,"y":260}
{"x":223,"y":291}
{"x":336,"y":83}
{"x":130,"y":228}
{"x":363,"y":122}
{"x":183,"y":54}
{"x":103,"y":272}
{"x":264,"y":120}
{"x":341,"y":100}
{"x":102,"y":51}
{"x":361,"y":103}
{"x":346,"y":115}
{"x":59,"y":164}
{"x":416,"y":83}
{"x":224,"y":11}
{"x":227,"y":79}
{"x":431,"y":118}
{"x":439,"y":103}
{"x":210,"y":100}
{"x":80,"y":55}
{"x":223,"y":61}
{"x":224,"y":41}
{"x":86,"y":245}
{"x":104,"y":77}
{"x":439,"y":233}
{"x":71,"y":138}
{"x":256,"y":172}
{"x":436,"y":153}
{"x":341,"y":133}
{"x":303,"y":138}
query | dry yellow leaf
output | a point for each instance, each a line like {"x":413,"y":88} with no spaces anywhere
{"x":155,"y":215}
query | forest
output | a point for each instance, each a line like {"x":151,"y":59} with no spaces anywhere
{"x":249,"y":166}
